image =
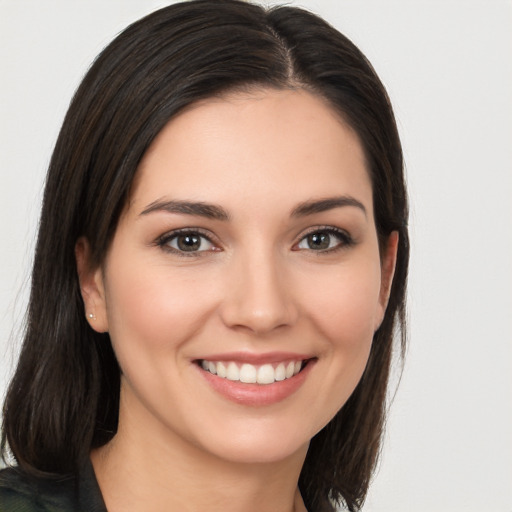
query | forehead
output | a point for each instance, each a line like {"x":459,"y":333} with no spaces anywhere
{"x":259,"y":144}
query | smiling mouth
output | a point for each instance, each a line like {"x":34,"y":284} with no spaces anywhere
{"x":254,"y":374}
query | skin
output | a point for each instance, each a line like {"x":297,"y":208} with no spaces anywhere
{"x":257,"y":287}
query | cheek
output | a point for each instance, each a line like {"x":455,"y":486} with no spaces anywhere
{"x":154,"y":309}
{"x":346,"y":306}
{"x":343,"y":313}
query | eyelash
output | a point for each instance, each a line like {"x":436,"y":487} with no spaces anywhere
{"x":344,"y":238}
{"x":164,"y":240}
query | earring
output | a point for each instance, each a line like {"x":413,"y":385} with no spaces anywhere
{"x":91,"y":316}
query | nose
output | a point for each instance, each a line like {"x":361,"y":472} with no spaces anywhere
{"x":258,"y":295}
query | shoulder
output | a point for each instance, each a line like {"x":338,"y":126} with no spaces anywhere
{"x":19,"y":493}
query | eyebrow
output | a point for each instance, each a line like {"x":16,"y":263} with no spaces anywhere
{"x":212,"y":211}
{"x":328,"y":203}
{"x":209,"y":211}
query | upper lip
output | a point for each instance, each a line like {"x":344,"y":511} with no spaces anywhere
{"x":255,"y":359}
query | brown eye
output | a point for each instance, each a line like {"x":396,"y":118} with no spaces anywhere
{"x":318,"y":241}
{"x":188,"y":242}
{"x":324,"y":240}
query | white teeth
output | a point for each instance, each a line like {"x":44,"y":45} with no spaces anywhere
{"x":232,"y":372}
{"x":266,"y":374}
{"x":221,"y":370}
{"x":248,"y":374}
{"x":280,"y":372}
{"x":251,"y":374}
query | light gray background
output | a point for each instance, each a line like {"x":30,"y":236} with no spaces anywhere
{"x":448,"y":68}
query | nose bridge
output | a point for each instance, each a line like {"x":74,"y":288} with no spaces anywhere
{"x":257,"y":296}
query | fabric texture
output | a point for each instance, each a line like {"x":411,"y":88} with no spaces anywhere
{"x":18,"y":493}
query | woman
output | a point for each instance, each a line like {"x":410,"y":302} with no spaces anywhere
{"x":220,"y":268}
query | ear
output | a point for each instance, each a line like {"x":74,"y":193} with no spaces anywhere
{"x":388,"y":263}
{"x":91,"y":286}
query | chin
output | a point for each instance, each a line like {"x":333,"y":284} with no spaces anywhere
{"x":259,"y":451}
{"x":257,"y":442}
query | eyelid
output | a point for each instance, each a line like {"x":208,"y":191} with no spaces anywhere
{"x":164,"y":239}
{"x":346,"y":239}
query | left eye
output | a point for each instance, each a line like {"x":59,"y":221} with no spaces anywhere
{"x":189,"y":242}
{"x":322,"y":241}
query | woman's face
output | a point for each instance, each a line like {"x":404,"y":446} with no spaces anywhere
{"x":244,"y":282}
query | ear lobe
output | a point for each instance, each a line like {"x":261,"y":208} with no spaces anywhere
{"x":91,"y":287}
{"x":388,"y":263}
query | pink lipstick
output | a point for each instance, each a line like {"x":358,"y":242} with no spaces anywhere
{"x":255,"y":380}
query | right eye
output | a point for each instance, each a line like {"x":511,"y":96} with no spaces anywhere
{"x":186,"y":242}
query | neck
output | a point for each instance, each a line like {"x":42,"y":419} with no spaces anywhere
{"x":139,"y":472}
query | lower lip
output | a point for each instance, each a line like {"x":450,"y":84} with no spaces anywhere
{"x":257,"y":394}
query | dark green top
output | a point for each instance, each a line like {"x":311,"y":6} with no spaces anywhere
{"x":19,"y":493}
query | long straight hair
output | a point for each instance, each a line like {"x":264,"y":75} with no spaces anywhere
{"x":63,"y":400}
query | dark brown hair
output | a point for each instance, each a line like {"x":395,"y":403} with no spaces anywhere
{"x":64,"y":397}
